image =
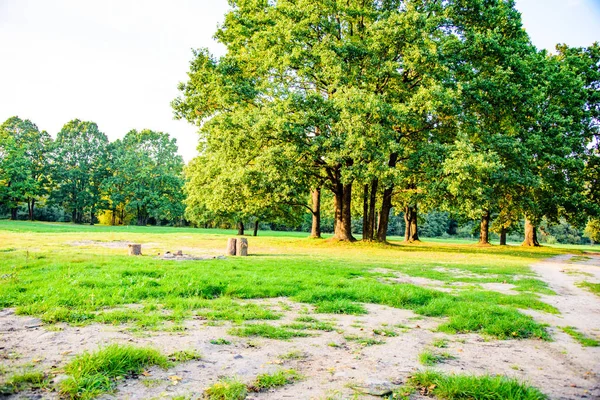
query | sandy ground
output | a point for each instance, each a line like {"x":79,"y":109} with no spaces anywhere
{"x":331,"y":365}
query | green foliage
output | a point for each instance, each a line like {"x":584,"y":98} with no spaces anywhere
{"x":226,"y":389}
{"x":457,"y":387}
{"x":592,"y":230}
{"x":92,"y":374}
{"x":580,"y":337}
{"x":24,"y":164}
{"x":80,"y":165}
{"x":146,"y":177}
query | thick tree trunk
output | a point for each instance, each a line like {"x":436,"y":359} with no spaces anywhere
{"x":530,"y":235}
{"x":407,"y":224}
{"x":92,"y":217}
{"x":316,"y":214}
{"x":484,"y":230}
{"x":343,"y":212}
{"x":503,"y":232}
{"x":240,"y":228}
{"x":255,"y":233}
{"x":74,"y":216}
{"x":113,"y":217}
{"x":14,"y":213}
{"x":372,"y":204}
{"x":384,"y":215}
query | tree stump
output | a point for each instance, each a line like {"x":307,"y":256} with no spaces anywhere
{"x":135,"y":249}
{"x":242,"y":247}
{"x":231,"y":245}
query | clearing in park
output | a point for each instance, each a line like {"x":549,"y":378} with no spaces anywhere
{"x":297,"y":318}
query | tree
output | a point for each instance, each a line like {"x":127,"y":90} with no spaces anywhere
{"x":592,"y":230}
{"x":148,"y":176}
{"x":24,"y":167}
{"x":79,"y":169}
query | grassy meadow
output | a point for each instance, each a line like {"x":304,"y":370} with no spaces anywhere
{"x":73,"y":274}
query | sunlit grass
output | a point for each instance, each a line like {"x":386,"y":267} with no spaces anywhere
{"x":43,"y":274}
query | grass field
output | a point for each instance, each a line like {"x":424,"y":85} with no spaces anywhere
{"x":43,"y":274}
{"x":80,"y":275}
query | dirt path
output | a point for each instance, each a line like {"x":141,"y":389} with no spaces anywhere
{"x":330,"y":362}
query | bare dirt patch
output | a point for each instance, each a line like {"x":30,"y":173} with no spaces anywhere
{"x":330,"y":363}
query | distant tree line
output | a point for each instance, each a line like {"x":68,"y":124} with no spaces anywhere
{"x":81,"y":177}
{"x":364,"y":110}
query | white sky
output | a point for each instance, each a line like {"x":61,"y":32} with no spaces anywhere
{"x":118,"y":62}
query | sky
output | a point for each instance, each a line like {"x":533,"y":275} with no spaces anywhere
{"x":118,"y":62}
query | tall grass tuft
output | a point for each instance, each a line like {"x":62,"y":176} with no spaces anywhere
{"x":92,"y":374}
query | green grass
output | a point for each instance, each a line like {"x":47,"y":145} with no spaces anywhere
{"x":440,"y":343}
{"x":309,"y":323}
{"x":592,"y":287}
{"x":266,"y":331}
{"x":47,"y":277}
{"x":385,"y":332}
{"x":459,"y":387}
{"x":91,"y":374}
{"x":429,"y":358}
{"x":580,"y":337}
{"x":274,"y":380}
{"x":226,"y":389}
{"x":293,"y":355}
{"x":220,"y":341}
{"x":22,"y":381}
{"x":363,"y":341}
{"x":185,"y":356}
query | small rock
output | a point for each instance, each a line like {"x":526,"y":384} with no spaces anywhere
{"x":237,"y":357}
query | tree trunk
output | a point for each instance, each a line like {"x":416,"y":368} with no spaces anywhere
{"x":372,"y":205}
{"x":255,"y":228}
{"x":386,"y":205}
{"x":414,"y":227}
{"x":530,"y":235}
{"x":484,"y":231}
{"x":365,"y":229}
{"x":503,"y":232}
{"x":32,"y":210}
{"x":113,"y":217}
{"x":14,"y":213}
{"x":240,"y":228}
{"x":92,"y":217}
{"x":384,"y":215}
{"x":343,"y":212}
{"x":74,"y":216}
{"x":316,"y":214}
{"x":407,"y":218}
{"x":411,"y":230}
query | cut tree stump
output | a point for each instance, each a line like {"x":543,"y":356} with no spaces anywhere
{"x":231,"y":244}
{"x":242,"y":247}
{"x":135,"y":249}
